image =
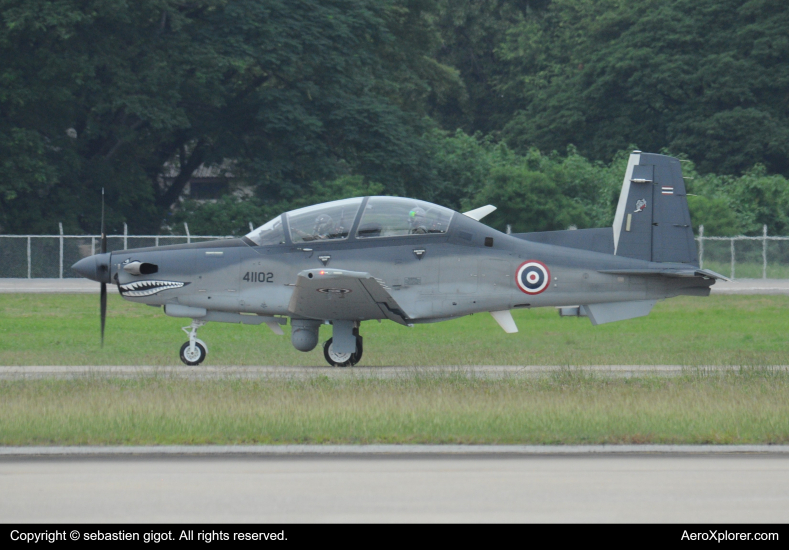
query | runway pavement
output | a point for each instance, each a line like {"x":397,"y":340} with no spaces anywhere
{"x":408,"y":488}
{"x":84,"y":286}
{"x":387,"y":372}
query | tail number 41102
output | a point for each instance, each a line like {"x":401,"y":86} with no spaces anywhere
{"x":258,"y":277}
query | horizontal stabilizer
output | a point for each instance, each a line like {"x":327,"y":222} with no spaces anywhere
{"x":481,"y":212}
{"x":667,"y":272}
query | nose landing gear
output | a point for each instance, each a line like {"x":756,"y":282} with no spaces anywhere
{"x":195,"y":350}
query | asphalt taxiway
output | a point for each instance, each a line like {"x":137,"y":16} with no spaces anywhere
{"x":384,"y":372}
{"x":382,"y":487}
{"x":83,"y":286}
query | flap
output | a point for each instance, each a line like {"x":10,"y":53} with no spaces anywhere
{"x":337,"y":294}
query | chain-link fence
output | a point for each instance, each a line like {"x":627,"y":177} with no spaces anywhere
{"x":51,"y":256}
{"x":762,"y":257}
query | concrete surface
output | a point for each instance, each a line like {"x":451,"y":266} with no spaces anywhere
{"x":370,"y":488}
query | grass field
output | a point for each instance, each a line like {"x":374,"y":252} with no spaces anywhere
{"x":40,"y":329}
{"x":746,"y":406}
{"x":748,"y":270}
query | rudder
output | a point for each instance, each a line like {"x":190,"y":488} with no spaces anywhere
{"x":652,"y":219}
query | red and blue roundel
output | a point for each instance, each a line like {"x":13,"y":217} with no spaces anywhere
{"x":533,"y":277}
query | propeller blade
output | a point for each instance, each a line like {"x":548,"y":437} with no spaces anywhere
{"x":103,"y":310}
{"x":103,"y":285}
{"x":103,"y":233}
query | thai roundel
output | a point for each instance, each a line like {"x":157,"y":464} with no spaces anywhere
{"x":533,"y":277}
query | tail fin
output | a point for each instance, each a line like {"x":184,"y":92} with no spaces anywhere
{"x":652,"y":219}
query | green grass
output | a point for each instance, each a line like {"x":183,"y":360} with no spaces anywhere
{"x":748,"y":270}
{"x":745,"y":406}
{"x":718,"y":330}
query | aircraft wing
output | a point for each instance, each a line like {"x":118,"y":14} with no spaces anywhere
{"x":340,"y":294}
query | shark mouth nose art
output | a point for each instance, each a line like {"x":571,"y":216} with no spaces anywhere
{"x":148,"y":288}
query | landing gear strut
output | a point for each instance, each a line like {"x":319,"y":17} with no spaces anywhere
{"x":194,"y":351}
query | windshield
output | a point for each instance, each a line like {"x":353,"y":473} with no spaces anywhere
{"x":327,"y":221}
{"x":269,"y":233}
{"x":393,"y":217}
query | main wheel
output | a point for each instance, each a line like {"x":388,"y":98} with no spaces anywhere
{"x":342,"y":359}
{"x":359,"y":350}
{"x":194,"y":356}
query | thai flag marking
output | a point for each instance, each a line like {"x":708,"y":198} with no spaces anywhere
{"x":668,"y":190}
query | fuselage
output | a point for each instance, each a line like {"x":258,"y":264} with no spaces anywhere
{"x":469,"y":268}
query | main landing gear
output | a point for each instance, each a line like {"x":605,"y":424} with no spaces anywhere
{"x":336,"y":359}
{"x":195,"y":350}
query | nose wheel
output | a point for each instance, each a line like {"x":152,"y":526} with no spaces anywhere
{"x":193,"y":355}
{"x":195,"y":350}
{"x":342,"y":359}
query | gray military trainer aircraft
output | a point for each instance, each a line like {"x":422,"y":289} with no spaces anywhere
{"x":409,"y":261}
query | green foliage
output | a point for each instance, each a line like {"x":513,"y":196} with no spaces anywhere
{"x":232,"y":214}
{"x":529,"y":200}
{"x":116,"y":94}
{"x":455,"y":102}
{"x":753,"y":199}
{"x":706,"y":77}
{"x":533,"y":192}
{"x":715,"y":214}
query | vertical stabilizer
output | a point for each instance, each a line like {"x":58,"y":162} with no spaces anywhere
{"x":652,"y":219}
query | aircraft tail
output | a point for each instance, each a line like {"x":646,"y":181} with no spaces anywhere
{"x":652,"y":219}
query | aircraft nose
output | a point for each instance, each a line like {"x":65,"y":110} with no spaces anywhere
{"x":96,"y":267}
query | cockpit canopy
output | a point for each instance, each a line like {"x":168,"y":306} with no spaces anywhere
{"x":381,"y":217}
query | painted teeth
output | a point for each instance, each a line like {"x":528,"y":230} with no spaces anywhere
{"x":147,"y":288}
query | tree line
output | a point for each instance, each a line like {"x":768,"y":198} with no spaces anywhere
{"x":531,"y":105}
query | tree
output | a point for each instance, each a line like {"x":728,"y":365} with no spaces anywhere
{"x":705,"y":77}
{"x":112,"y":94}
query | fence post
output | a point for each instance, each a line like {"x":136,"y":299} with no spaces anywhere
{"x":28,"y":257}
{"x":188,"y":236}
{"x":157,"y":240}
{"x":732,"y":258}
{"x":701,"y":247}
{"x":251,"y":227}
{"x":509,"y":229}
{"x":60,"y":227}
{"x":764,"y":251}
{"x":125,"y":236}
{"x":93,"y":246}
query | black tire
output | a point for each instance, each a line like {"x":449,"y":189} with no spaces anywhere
{"x":335,"y":361}
{"x":359,"y":350}
{"x":192,"y":361}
